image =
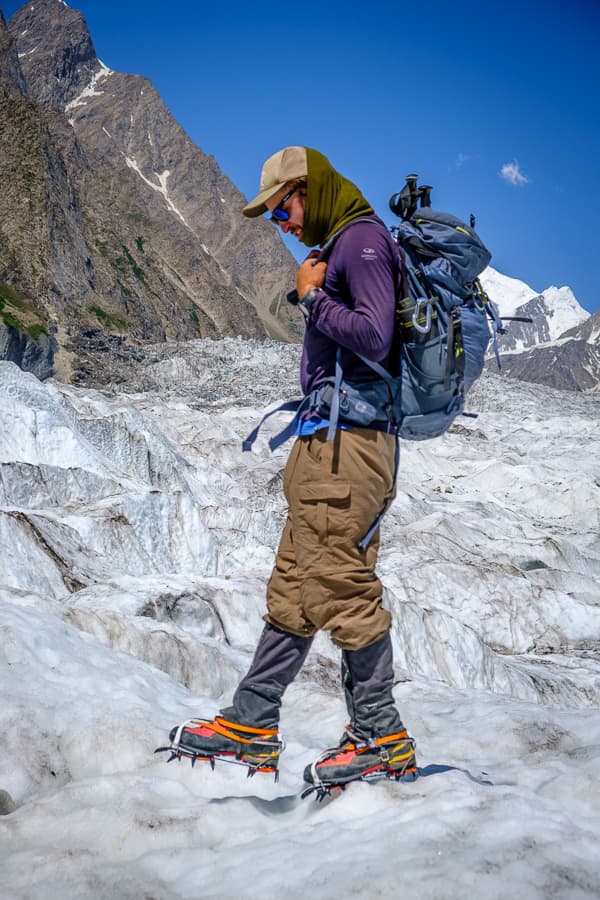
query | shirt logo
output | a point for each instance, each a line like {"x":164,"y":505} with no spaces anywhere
{"x":368,"y":253}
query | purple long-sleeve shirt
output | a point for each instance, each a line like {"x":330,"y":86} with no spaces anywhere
{"x":355,"y":307}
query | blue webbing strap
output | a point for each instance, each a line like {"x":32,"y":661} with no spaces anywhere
{"x":292,"y":428}
{"x":289,"y":406}
{"x":334,"y":410}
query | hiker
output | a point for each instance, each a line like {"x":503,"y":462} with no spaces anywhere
{"x":337,"y":481}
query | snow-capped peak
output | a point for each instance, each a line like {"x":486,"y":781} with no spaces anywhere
{"x":564,"y":309}
{"x":507,"y":293}
{"x":554,"y":310}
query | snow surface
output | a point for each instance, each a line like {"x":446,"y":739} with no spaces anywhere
{"x":135,"y":543}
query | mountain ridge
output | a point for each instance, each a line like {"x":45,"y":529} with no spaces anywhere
{"x":141,"y":236}
{"x":553,"y":310}
{"x":571,"y":362}
{"x":116,"y":229}
{"x":559,"y":348}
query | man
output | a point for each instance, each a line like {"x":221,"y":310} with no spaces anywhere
{"x":337,"y":482}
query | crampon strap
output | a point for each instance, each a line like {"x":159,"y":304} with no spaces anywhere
{"x":219,"y":725}
{"x":323,"y":788}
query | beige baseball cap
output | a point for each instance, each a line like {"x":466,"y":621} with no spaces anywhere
{"x":284,"y":166}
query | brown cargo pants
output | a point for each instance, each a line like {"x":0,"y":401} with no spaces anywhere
{"x":335,"y":490}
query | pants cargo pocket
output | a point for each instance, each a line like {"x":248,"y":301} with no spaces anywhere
{"x":322,"y":520}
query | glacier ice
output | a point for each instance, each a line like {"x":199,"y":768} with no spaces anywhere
{"x":135,"y":544}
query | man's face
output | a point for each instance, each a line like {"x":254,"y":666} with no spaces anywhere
{"x":294,"y":206}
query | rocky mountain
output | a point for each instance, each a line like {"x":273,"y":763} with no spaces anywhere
{"x":9,"y":61}
{"x":560,"y":347}
{"x":572,"y":362}
{"x":115,"y":228}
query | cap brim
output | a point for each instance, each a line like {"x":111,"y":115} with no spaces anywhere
{"x":257,"y":206}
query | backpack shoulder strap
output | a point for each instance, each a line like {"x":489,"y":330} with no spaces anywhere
{"x":325,"y":251}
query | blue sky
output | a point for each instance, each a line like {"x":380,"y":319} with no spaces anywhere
{"x":455,"y":91}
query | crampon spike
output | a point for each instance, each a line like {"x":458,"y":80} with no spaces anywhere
{"x":321,"y":791}
{"x":328,"y":790}
{"x":173,"y":753}
{"x":177,"y":752}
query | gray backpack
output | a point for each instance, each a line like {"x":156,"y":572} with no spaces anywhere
{"x":442,"y":332}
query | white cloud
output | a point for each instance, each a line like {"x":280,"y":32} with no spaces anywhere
{"x":461,"y":159}
{"x":511,"y":172}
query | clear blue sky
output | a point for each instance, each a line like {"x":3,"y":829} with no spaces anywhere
{"x":455,"y":91}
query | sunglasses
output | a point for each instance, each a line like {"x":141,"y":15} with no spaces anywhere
{"x":280,"y":215}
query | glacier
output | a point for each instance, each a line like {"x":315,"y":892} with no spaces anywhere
{"x":135,"y":543}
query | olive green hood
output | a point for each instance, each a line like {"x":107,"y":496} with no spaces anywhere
{"x":331,"y":200}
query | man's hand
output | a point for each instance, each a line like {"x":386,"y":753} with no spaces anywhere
{"x":310,"y":275}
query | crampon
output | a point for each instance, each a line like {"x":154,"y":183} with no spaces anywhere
{"x":392,"y":757}
{"x":258,"y":749}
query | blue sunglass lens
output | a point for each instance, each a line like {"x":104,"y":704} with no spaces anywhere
{"x":279,"y":215}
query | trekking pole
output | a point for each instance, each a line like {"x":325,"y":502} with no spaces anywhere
{"x":527,"y":319}
{"x":404,"y":203}
{"x":425,"y":195}
{"x":413,"y":192}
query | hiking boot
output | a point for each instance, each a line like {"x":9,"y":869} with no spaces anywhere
{"x":207,"y":739}
{"x":355,"y":759}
